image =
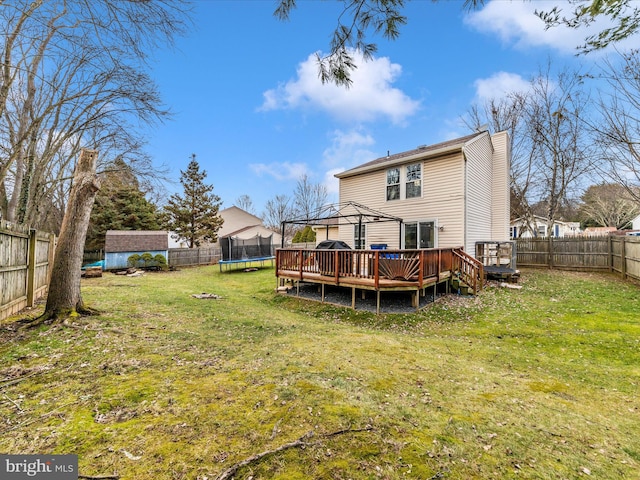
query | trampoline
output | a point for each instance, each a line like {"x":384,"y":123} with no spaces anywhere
{"x":241,"y":252}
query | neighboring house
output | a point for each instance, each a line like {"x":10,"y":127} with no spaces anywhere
{"x":176,"y":242}
{"x":450,"y":194}
{"x":635,"y":223}
{"x":121,"y":244}
{"x":326,"y":230}
{"x":523,"y":229}
{"x":242,"y":224}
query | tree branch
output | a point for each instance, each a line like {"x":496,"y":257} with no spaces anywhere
{"x":301,"y":442}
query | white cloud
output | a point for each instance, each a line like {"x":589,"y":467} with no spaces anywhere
{"x":370,"y":97}
{"x":332,"y":184}
{"x":281,"y":171}
{"x":516,"y":24}
{"x":499,"y":85}
{"x":347,"y":150}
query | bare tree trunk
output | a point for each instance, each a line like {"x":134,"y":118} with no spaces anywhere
{"x":64,"y":298}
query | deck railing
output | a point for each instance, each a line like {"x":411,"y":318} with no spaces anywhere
{"x":416,"y":267}
{"x":470,"y":270}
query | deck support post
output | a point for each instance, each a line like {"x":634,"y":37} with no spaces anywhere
{"x":322,"y":288}
{"x":377,"y":302}
{"x":353,"y":298}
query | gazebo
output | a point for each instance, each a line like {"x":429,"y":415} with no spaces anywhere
{"x":341,"y":214}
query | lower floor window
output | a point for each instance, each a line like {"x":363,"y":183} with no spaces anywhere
{"x":420,"y":235}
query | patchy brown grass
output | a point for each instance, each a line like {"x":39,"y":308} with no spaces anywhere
{"x":536,"y":383}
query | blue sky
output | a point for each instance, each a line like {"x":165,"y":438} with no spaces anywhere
{"x":246,"y":99}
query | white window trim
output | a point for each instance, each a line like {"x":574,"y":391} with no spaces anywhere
{"x":406,"y":180}
{"x":363,"y":241}
{"x":430,"y":220}
{"x":402,"y":185}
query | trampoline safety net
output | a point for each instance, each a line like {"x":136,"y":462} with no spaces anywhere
{"x":234,"y":248}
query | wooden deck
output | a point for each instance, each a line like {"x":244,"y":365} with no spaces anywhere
{"x":379,"y":270}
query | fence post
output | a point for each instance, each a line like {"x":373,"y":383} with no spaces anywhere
{"x":623,"y":254}
{"x":611,"y":264}
{"x":31,"y":267}
{"x":51,"y":257}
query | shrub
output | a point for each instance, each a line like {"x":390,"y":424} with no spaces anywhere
{"x":161,"y":262}
{"x":147,"y":261}
{"x":133,"y":260}
{"x":306,"y":235}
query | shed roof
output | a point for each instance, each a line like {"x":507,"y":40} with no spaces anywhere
{"x":423,"y":151}
{"x":136,"y":240}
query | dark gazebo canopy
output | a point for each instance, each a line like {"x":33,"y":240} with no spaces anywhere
{"x":349,"y":213}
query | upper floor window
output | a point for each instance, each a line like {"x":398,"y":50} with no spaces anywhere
{"x":413,"y":187}
{"x":393,"y":184}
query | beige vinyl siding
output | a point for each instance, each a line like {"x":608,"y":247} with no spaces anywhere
{"x":442,"y":201}
{"x":478,"y":190}
{"x":501,"y":203}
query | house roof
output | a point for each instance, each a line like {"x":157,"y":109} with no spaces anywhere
{"x":236,"y":220}
{"x":136,"y":240}
{"x":422,"y":152}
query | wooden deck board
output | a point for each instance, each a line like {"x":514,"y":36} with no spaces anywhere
{"x":364,"y":282}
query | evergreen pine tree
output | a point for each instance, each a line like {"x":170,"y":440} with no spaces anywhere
{"x":120,"y":205}
{"x":194,"y":216}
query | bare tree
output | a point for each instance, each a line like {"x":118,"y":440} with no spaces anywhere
{"x":277,"y":210}
{"x":551,"y":150}
{"x":609,"y":205}
{"x":309,"y":197}
{"x":562,"y":151}
{"x":245,"y":203}
{"x":74,"y":74}
{"x":619,"y":132}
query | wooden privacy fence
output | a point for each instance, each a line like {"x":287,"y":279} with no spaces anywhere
{"x":189,"y":257}
{"x":25,"y":260}
{"x":619,"y":254}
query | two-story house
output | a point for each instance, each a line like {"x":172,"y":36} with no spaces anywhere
{"x":450,"y":194}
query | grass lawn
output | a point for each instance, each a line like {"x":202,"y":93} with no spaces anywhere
{"x":537,"y":383}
